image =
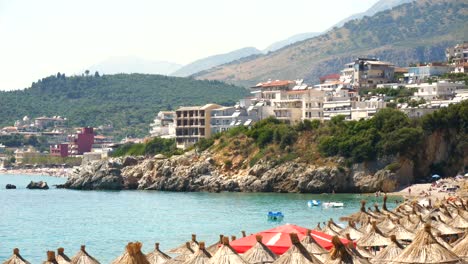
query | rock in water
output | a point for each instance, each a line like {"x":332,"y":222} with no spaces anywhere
{"x":38,"y":185}
{"x":10,"y":186}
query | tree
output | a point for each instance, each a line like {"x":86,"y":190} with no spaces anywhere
{"x":96,"y":74}
{"x":87,"y":72}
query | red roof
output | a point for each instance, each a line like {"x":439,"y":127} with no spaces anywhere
{"x":334,"y":76}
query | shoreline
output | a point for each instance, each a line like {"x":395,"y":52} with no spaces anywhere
{"x":53,"y":172}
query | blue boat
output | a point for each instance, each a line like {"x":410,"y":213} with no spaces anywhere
{"x":275,"y":216}
{"x":313,"y":203}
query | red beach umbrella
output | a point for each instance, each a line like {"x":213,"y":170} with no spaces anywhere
{"x":277,"y":239}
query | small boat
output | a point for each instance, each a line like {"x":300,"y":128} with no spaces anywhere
{"x":275,"y":216}
{"x":333,"y":204}
{"x":313,"y":203}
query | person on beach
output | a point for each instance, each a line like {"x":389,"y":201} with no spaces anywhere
{"x":409,"y":191}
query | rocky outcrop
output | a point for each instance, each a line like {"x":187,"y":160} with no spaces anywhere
{"x":10,"y":186}
{"x":38,"y":185}
{"x":190,"y":172}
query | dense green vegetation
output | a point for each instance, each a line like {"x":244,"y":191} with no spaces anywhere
{"x":389,"y":132}
{"x":47,"y":160}
{"x":17,"y":140}
{"x":128,"y":102}
{"x":155,"y":146}
{"x":456,"y":77}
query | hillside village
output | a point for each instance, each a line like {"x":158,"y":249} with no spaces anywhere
{"x":362,"y":88}
{"x":359,"y":91}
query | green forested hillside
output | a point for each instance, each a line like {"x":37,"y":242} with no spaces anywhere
{"x":129,"y":102}
{"x":415,"y":32}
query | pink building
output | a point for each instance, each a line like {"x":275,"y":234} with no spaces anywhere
{"x":82,"y":142}
{"x":59,"y":150}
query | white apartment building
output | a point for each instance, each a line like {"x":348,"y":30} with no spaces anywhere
{"x":225,"y":118}
{"x":164,"y":125}
{"x":436,"y":90}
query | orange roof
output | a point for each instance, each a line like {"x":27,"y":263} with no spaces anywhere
{"x":274,"y":83}
{"x":100,"y":137}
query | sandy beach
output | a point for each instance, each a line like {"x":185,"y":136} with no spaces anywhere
{"x":434,"y":190}
{"x":55,"y":172}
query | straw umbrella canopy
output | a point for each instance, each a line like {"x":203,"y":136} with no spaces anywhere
{"x":50,"y":258}
{"x":407,"y":222}
{"x":386,"y":225}
{"x":426,"y":249}
{"x":334,"y":225}
{"x":389,"y":253}
{"x":61,"y":257}
{"x":214,"y":247}
{"x":202,"y":256}
{"x":354,"y":234}
{"x":82,"y":257}
{"x":459,"y":222}
{"x":182,"y":248}
{"x":445,"y":229}
{"x":461,"y":248}
{"x":297,"y":253}
{"x":314,"y":248}
{"x":440,"y":239}
{"x":259,"y":253}
{"x":374,"y":238}
{"x":359,"y":217}
{"x":16,"y":258}
{"x":341,"y":254}
{"x":157,"y":256}
{"x":185,"y":254}
{"x":360,"y":251}
{"x":318,"y":227}
{"x":401,"y":233}
{"x":132,"y":255}
{"x":227,"y":255}
{"x":329,"y":230}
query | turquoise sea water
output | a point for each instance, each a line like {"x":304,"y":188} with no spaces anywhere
{"x":105,"y":221}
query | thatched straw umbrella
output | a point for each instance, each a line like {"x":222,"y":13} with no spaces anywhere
{"x":202,"y":256}
{"x":61,"y":257}
{"x":132,"y":255}
{"x":318,"y":227}
{"x":459,"y":222}
{"x":50,"y":258}
{"x":359,"y":217}
{"x":157,"y":256}
{"x":461,"y":248}
{"x":314,"y":248}
{"x":354,"y":234}
{"x":366,"y":227}
{"x":386,"y":225}
{"x":259,"y":253}
{"x":297,"y":253}
{"x":426,"y":249}
{"x":334,"y":225}
{"x":374,"y":238}
{"x":185,"y":254}
{"x":214,"y":247}
{"x":180,"y":249}
{"x":389,"y":253}
{"x":329,"y":230}
{"x":440,"y":239}
{"x":407,"y":222}
{"x":401,"y":233}
{"x":359,"y":251}
{"x":445,"y":229}
{"x":341,"y":254}
{"x":227,"y":255}
{"x":16,"y":258}
{"x":82,"y":257}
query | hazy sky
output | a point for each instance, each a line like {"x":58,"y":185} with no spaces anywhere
{"x":42,"y":37}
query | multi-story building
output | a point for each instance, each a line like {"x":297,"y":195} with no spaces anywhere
{"x":225,"y":118}
{"x":163,"y":125}
{"x":59,"y":150}
{"x":193,"y":123}
{"x":82,"y":141}
{"x":367,"y":73}
{"x":457,"y":55}
{"x":436,"y":90}
{"x":46,"y":122}
{"x":422,"y":72}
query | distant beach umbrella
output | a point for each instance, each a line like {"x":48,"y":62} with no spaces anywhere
{"x":185,"y":254}
{"x":329,"y":230}
{"x":132,"y":255}
{"x":461,"y":248}
{"x":227,"y":255}
{"x":182,"y":248}
{"x":50,"y":258}
{"x":259,"y":253}
{"x":386,"y":225}
{"x":318,"y":227}
{"x":426,"y":249}
{"x":297,"y":253}
{"x":202,"y":256}
{"x":314,"y":248}
{"x":61,"y":257}
{"x":16,"y":258}
{"x":401,"y":233}
{"x":436,"y":176}
{"x":82,"y":257}
{"x":360,"y":217}
{"x":359,"y":251}
{"x":389,"y":253}
{"x":459,"y":222}
{"x":214,"y":247}
{"x":157,"y":256}
{"x":351,"y":229}
{"x":445,"y":229}
{"x":374,"y":238}
{"x":341,"y":254}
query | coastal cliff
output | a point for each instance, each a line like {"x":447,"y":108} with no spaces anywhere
{"x":380,"y":154}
